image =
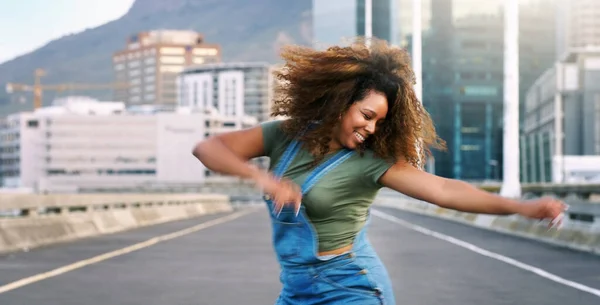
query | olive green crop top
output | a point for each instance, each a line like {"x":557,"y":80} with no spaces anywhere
{"x":337,"y":205}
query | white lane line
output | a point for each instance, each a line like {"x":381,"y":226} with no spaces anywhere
{"x":105,"y":256}
{"x":487,"y":253}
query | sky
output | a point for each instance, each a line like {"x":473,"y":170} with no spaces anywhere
{"x":26,"y":25}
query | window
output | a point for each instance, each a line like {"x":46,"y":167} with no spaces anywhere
{"x":597,"y":123}
{"x":470,"y":147}
{"x":205,"y":92}
{"x":195,"y":94}
{"x":171,"y":69}
{"x":204,"y":52}
{"x":172,"y":51}
{"x":480,"y":91}
{"x":472,"y":44}
{"x":32,"y":124}
{"x":172,"y":60}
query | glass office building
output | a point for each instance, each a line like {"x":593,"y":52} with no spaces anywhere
{"x":463,"y":79}
{"x":338,"y":21}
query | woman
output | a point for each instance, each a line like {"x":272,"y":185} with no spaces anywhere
{"x":354,"y":126}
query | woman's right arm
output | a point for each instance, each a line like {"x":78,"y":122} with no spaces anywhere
{"x":229,"y":154}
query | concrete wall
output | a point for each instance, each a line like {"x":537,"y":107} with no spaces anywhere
{"x":574,"y":233}
{"x":36,"y":220}
{"x":176,"y":137}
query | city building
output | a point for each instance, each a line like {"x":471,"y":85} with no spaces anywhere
{"x":561,"y":137}
{"x":473,"y":110}
{"x":151,"y":61}
{"x":18,"y":138}
{"x":579,"y":24}
{"x":438,"y":11}
{"x":463,"y":77}
{"x":337,"y":21}
{"x":537,"y":39}
{"x":560,"y":140}
{"x":405,"y":20}
{"x":79,"y":144}
{"x":233,"y":89}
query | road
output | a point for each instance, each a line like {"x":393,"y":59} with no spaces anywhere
{"x":230,"y":261}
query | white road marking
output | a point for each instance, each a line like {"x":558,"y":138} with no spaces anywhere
{"x":135,"y":247}
{"x":487,"y":253}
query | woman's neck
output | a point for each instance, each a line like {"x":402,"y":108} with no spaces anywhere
{"x":334,"y":146}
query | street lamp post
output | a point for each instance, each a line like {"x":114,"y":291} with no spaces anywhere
{"x":417,"y":48}
{"x":511,"y":186}
{"x":417,"y":61}
{"x":368,"y":21}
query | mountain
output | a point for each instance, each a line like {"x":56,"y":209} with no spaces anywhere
{"x":246,"y":30}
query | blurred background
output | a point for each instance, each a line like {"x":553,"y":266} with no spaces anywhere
{"x":142,"y":69}
{"x":101,"y":102}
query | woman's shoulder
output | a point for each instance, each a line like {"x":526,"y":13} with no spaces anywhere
{"x":272,"y":123}
{"x":370,"y":156}
{"x":273,"y":129}
{"x":273,"y":136}
{"x":373,"y":166}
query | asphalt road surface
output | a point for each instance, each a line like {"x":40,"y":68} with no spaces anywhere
{"x":230,"y":261}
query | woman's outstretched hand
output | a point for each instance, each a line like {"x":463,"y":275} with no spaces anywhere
{"x":282,"y":191}
{"x":545,"y":208}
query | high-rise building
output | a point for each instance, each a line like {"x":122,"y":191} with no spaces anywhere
{"x":468,"y":104}
{"x":561,"y":135}
{"x":233,"y":89}
{"x":405,"y":20}
{"x":578,"y":24}
{"x":336,"y":21}
{"x":537,"y":39}
{"x":151,"y":61}
{"x":463,"y":79}
{"x":560,"y":140}
{"x":582,"y":24}
{"x":453,"y":9}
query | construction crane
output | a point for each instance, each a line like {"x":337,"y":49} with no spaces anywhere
{"x":37,"y":88}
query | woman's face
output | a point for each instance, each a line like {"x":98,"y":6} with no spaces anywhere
{"x":361,"y":119}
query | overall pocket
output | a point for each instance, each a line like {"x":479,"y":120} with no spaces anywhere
{"x":350,"y":277}
{"x":287,"y":230}
{"x":286,"y":216}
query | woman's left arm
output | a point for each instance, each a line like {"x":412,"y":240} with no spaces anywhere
{"x":461,"y":196}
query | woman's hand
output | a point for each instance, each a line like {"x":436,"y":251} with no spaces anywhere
{"x":545,"y":208}
{"x":282,"y":191}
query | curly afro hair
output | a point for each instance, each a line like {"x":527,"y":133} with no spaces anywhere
{"x":322,"y":85}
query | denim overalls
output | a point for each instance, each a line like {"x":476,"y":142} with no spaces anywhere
{"x":355,"y":277}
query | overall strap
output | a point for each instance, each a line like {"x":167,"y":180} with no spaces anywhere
{"x":290,"y":153}
{"x":286,"y":158}
{"x":324,"y":168}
